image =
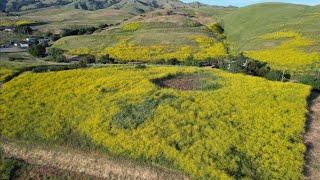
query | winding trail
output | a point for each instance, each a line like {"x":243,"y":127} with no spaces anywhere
{"x":90,"y":164}
{"x":312,"y":138}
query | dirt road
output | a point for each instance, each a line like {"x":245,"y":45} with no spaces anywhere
{"x":312,"y":139}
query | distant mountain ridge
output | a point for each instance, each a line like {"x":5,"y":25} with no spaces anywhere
{"x":141,"y":5}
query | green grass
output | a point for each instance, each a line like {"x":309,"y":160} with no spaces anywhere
{"x":57,"y":18}
{"x":21,"y":60}
{"x":149,"y":39}
{"x":247,"y":28}
{"x":11,"y":36}
{"x":219,"y":133}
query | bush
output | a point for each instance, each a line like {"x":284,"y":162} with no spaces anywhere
{"x":190,"y":61}
{"x":88,"y":59}
{"x":173,"y":61}
{"x":82,"y":63}
{"x":8,"y":166}
{"x":106,"y":59}
{"x":37,"y":50}
{"x":77,"y":31}
{"x":57,"y":55}
{"x":140,"y":66}
{"x":314,"y":81}
{"x":55,"y":37}
{"x":277,"y":75}
{"x":160,"y":61}
{"x":23,"y":30}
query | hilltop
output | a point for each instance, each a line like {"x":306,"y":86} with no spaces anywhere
{"x":283,"y":35}
{"x":138,"y":5}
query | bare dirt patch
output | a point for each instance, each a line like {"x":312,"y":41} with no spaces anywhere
{"x":184,"y":82}
{"x":312,"y":138}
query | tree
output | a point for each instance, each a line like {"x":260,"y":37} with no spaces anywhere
{"x":37,"y":50}
{"x":24,"y":29}
{"x":57,"y":55}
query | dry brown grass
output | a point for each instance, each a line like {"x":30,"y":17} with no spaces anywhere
{"x":91,"y":164}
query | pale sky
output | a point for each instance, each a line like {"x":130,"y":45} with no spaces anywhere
{"x":241,"y":3}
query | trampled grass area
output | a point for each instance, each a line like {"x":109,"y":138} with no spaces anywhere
{"x":242,"y":126}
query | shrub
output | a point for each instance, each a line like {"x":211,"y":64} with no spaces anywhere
{"x":140,"y":66}
{"x":55,"y":37}
{"x":190,"y":61}
{"x":82,"y":63}
{"x":216,"y":28}
{"x":8,"y":166}
{"x":173,"y":61}
{"x":106,"y":59}
{"x":131,"y":26}
{"x":57,"y":55}
{"x":312,"y":80}
{"x":160,"y":61}
{"x":277,"y":75}
{"x":77,"y":31}
{"x":23,"y":30}
{"x":89,"y":59}
{"x":37,"y":50}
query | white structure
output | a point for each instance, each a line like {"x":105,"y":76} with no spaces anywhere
{"x":24,"y":45}
{"x":8,"y":29}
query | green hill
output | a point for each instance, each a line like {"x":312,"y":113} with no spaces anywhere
{"x":154,"y":37}
{"x":284,"y":35}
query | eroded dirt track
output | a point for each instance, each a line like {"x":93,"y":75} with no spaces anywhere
{"x":100,"y":167}
{"x":312,"y":139}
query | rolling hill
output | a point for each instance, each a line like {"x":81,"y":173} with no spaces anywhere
{"x":140,"y":5}
{"x":284,"y":35}
{"x":154,"y":37}
{"x":70,"y":13}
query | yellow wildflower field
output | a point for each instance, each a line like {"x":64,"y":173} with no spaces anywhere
{"x":211,"y":133}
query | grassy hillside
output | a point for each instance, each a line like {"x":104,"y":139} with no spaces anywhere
{"x":66,"y":17}
{"x":284,"y":35}
{"x":194,"y":120}
{"x":139,"y":6}
{"x":153,"y":37}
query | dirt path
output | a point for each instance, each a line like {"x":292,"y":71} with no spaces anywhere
{"x":312,"y":139}
{"x":101,"y":167}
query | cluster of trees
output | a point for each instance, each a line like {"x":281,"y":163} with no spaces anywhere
{"x":37,"y":50}
{"x":77,"y":31}
{"x":241,"y":64}
{"x":23,"y":30}
{"x":57,"y":55}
